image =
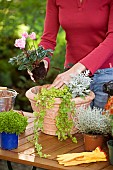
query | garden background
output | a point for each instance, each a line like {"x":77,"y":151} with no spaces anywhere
{"x":16,"y":17}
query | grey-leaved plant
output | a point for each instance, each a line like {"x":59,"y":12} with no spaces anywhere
{"x":92,"y":121}
{"x":79,"y":84}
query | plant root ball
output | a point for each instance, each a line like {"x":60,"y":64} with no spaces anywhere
{"x":39,"y":72}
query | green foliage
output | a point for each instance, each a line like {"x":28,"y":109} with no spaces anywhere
{"x":45,"y":100}
{"x":28,"y":59}
{"x":12,"y":122}
{"x":17,"y":16}
{"x":111,"y":123}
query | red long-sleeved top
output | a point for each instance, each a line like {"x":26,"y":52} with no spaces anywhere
{"x":89,"y":31}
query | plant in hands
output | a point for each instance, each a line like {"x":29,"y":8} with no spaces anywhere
{"x":31,"y":58}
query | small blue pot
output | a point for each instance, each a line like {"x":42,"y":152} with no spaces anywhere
{"x":0,"y":140}
{"x":9,"y":141}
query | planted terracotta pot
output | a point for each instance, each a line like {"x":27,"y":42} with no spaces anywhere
{"x":49,"y":126}
{"x":91,"y":142}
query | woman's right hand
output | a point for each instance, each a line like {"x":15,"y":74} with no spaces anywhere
{"x":66,"y":76}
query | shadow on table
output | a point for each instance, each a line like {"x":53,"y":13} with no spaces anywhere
{"x":16,"y":166}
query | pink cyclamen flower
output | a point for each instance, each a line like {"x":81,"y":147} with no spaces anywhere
{"x":20,"y":43}
{"x":32,"y":36}
{"x":25,"y":35}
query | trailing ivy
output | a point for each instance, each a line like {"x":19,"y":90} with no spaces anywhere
{"x":45,"y":100}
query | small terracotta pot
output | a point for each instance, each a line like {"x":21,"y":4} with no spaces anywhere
{"x":91,"y":142}
{"x":49,"y":126}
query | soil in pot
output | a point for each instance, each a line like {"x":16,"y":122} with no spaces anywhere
{"x":91,"y":142}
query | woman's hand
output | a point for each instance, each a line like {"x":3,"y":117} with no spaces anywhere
{"x":65,"y":77}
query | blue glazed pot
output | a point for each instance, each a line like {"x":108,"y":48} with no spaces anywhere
{"x":0,"y":140}
{"x":110,"y":147}
{"x":9,"y":141}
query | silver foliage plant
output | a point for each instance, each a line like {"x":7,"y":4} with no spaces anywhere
{"x":92,"y":121}
{"x":79,"y":84}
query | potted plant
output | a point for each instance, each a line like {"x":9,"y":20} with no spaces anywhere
{"x":54,"y":108}
{"x":94,"y":124}
{"x":31,"y":58}
{"x":108,"y":88}
{"x":11,"y":125}
{"x":109,"y":108}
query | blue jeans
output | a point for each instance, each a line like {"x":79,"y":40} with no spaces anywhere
{"x":100,"y":77}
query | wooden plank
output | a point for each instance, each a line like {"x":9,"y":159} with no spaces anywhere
{"x":110,"y":167}
{"x":22,"y":141}
{"x":26,"y":133}
{"x":59,"y":147}
{"x":24,"y":147}
{"x":31,"y":120}
{"x":36,"y":161}
{"x":28,"y":114}
{"x":98,"y":165}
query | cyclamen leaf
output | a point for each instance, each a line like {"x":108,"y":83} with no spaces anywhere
{"x":22,"y":67}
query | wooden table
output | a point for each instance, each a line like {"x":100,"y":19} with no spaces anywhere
{"x":25,"y":153}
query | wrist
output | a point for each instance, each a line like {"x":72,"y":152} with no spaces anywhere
{"x":79,"y":68}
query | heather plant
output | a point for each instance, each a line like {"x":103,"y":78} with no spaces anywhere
{"x":92,"y":121}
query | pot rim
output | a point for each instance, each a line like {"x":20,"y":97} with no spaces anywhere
{"x":14,"y":93}
{"x":78,"y":100}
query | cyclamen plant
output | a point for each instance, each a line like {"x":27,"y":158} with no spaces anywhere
{"x":31,"y":59}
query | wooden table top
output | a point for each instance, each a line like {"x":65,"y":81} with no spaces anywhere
{"x":25,"y":153}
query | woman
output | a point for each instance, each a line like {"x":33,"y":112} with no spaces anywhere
{"x":89,"y":34}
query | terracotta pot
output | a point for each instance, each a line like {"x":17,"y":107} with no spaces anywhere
{"x":93,"y":141}
{"x":49,"y":120}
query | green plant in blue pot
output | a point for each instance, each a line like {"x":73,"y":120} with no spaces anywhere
{"x":12,"y":124}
